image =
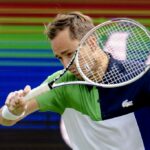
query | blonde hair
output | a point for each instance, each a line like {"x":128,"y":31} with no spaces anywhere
{"x":78,"y":24}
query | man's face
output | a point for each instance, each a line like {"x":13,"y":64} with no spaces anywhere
{"x":64,"y":47}
{"x":89,"y":57}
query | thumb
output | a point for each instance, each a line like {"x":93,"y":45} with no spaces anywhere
{"x":27,"y":89}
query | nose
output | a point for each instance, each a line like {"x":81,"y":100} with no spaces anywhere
{"x":72,"y":66}
{"x":65,"y":62}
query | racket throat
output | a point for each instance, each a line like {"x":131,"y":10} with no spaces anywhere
{"x":50,"y":85}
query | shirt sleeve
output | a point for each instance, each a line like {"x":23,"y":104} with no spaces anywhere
{"x":52,"y":100}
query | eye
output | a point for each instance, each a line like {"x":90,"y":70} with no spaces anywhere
{"x":70,"y":54}
{"x":59,"y":58}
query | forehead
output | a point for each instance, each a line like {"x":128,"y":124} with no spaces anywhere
{"x":62,"y":37}
{"x":63,"y":41}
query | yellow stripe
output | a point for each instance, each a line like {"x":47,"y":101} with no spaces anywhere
{"x":46,"y":20}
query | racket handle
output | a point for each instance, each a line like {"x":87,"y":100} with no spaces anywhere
{"x":37,"y":91}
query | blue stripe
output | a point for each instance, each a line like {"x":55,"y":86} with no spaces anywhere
{"x":29,"y":59}
{"x":28,"y":68}
{"x":16,"y":77}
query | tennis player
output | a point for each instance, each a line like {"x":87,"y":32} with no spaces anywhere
{"x":95,"y":118}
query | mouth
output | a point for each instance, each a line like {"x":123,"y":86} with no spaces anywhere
{"x":76,"y":73}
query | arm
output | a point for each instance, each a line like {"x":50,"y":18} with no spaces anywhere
{"x":50,"y":101}
{"x":17,"y":106}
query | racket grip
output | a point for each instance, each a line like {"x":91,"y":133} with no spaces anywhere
{"x":37,"y":91}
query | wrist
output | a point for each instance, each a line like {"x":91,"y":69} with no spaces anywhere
{"x":6,"y":114}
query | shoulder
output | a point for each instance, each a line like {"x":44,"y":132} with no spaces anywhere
{"x":68,"y":76}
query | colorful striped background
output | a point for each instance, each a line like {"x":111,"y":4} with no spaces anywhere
{"x":21,"y":25}
{"x":25,"y":53}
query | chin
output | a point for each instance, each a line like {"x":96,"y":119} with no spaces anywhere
{"x":79,"y":77}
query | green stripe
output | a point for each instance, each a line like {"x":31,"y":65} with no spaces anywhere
{"x":36,"y":64}
{"x":100,"y":20}
{"x":24,"y":45}
{"x":22,"y":37}
{"x":24,"y":19}
{"x":25,"y":55}
{"x":142,"y":21}
{"x":21,"y":28}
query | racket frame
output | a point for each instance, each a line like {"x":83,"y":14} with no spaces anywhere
{"x":94,"y":29}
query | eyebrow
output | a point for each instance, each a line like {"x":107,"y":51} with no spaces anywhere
{"x":63,"y":52}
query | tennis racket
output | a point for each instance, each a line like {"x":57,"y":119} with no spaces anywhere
{"x":112,"y":54}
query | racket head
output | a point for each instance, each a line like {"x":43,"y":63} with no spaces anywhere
{"x":124,"y":42}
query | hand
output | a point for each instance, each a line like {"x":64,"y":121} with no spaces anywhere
{"x":15,"y":101}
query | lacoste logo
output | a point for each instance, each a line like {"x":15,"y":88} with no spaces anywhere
{"x":127,"y":103}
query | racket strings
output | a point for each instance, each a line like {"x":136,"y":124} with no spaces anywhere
{"x":88,"y":62}
{"x":136,"y":69}
{"x":126,"y":42}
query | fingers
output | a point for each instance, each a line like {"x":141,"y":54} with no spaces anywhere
{"x":15,"y":100}
{"x":27,"y":89}
{"x":10,"y":97}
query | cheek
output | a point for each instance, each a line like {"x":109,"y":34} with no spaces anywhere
{"x":65,"y":62}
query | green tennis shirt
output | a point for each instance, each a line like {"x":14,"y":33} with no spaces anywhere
{"x":79,"y":97}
